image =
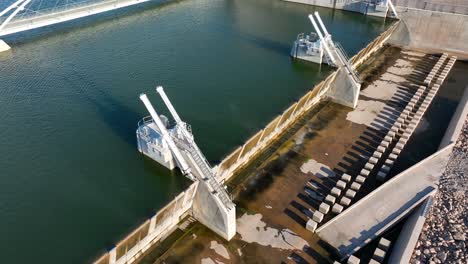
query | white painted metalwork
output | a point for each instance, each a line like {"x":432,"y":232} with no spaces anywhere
{"x":19,"y":5}
{"x":334,"y":49}
{"x":60,"y":13}
{"x":392,"y":7}
{"x":165,"y":134}
{"x":181,"y":142}
{"x":322,"y":39}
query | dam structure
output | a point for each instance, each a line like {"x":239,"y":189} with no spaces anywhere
{"x":365,"y":188}
{"x":345,"y":173}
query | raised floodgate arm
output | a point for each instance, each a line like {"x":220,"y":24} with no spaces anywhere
{"x":165,"y":134}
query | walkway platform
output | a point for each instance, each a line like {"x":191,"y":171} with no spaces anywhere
{"x":385,"y":206}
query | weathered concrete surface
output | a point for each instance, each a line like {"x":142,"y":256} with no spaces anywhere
{"x":403,"y":248}
{"x":210,"y":211}
{"x":432,"y":31}
{"x":362,"y":7}
{"x":456,"y":124}
{"x":344,"y":91}
{"x":450,"y":6}
{"x":385,"y":206}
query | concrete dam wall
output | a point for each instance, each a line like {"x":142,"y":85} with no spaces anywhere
{"x":432,"y":30}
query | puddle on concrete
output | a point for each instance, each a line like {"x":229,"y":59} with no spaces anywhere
{"x":318,"y":169}
{"x":210,"y":261}
{"x":219,"y":249}
{"x":252,"y":229}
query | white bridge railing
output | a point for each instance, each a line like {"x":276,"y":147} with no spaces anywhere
{"x":33,"y":16}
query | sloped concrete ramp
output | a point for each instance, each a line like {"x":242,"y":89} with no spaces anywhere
{"x":375,"y":213}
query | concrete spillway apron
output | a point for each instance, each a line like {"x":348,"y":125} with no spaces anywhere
{"x":385,"y":206}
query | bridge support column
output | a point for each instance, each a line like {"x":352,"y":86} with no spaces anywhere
{"x":208,"y":209}
{"x":344,"y":90}
{"x":3,"y":46}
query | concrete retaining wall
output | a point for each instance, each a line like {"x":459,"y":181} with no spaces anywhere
{"x":152,"y":230}
{"x":455,"y":126}
{"x":432,"y":31}
{"x":359,"y":6}
{"x":449,"y":6}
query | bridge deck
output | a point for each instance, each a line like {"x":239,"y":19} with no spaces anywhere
{"x":66,"y":14}
{"x":382,"y":208}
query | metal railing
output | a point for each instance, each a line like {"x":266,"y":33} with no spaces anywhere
{"x":345,"y":60}
{"x":205,"y":168}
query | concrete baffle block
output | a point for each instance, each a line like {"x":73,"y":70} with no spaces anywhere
{"x":395,"y":128}
{"x":399,"y":146}
{"x":381,"y":176}
{"x":380,"y":149}
{"x":355,"y":186}
{"x":337,"y":208}
{"x":345,"y":201}
{"x":346,"y":177}
{"x":317,"y":216}
{"x":350,"y":193}
{"x":384,"y":244}
{"x":373,"y":261}
{"x":324,"y":208}
{"x":385,"y":168}
{"x":330,"y":199}
{"x":360,"y":179}
{"x":369,"y":166}
{"x":389,"y":162}
{"x":341,"y":184}
{"x":384,"y":144}
{"x":311,"y":225}
{"x":353,"y":260}
{"x":373,"y":160}
{"x":379,"y":255}
{"x":396,"y":151}
{"x":388,"y":138}
{"x":335,"y":192}
{"x":365,"y":172}
{"x":393,"y":156}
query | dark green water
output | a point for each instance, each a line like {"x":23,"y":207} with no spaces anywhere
{"x":71,"y":180}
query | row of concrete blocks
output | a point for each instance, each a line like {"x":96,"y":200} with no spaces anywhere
{"x":331,"y":203}
{"x":410,"y":117}
{"x":380,"y":251}
{"x":440,"y":73}
{"x":382,"y":148}
{"x":377,"y":257}
{"x":403,"y":127}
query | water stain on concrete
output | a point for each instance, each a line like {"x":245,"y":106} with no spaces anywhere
{"x":252,"y":229}
{"x":219,"y":249}
{"x":318,"y":169}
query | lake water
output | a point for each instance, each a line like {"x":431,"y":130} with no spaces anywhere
{"x":72,"y":182}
